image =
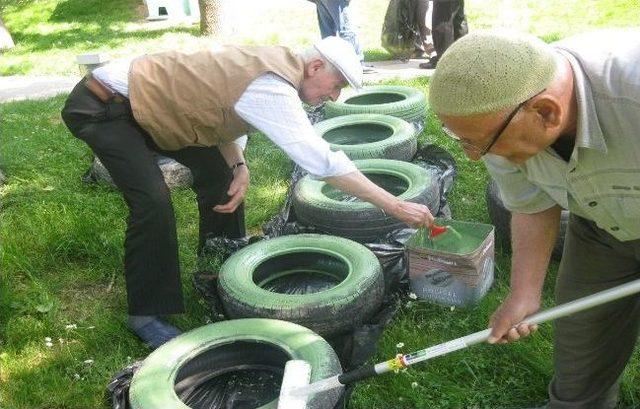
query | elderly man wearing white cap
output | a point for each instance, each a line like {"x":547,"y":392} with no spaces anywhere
{"x":558,"y":126}
{"x":197,"y":108}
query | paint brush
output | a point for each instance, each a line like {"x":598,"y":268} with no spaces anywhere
{"x":303,"y":390}
{"x":435,"y":230}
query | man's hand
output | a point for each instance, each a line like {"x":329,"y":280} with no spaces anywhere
{"x":511,"y":312}
{"x":413,"y":214}
{"x":237,"y":190}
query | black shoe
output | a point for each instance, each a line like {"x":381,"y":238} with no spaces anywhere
{"x":156,"y":332}
{"x":429,"y":65}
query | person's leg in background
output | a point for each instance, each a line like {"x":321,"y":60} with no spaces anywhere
{"x":424,"y":44}
{"x":460,"y":26}
{"x":442,"y":28}
{"x":151,"y":264}
{"x":335,"y":18}
{"x":211,"y":179}
{"x":592,"y":347}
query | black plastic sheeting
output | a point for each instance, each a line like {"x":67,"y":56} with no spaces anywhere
{"x":246,"y":388}
{"x":239,"y":388}
{"x":400,"y":29}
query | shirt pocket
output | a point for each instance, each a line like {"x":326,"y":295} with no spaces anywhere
{"x":616,"y":202}
{"x":627,"y":215}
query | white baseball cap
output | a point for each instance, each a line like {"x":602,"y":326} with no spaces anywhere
{"x":342,"y":55}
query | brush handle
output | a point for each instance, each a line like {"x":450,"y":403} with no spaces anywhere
{"x":357,"y":374}
{"x":559,"y":311}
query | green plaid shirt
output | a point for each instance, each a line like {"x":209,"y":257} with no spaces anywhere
{"x":601,"y":181}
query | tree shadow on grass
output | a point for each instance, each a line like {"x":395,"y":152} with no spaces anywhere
{"x":95,"y":11}
{"x":88,"y":38}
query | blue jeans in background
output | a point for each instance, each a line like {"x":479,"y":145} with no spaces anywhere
{"x":334,"y":18}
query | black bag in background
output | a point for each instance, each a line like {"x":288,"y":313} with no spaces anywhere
{"x":400,"y":31}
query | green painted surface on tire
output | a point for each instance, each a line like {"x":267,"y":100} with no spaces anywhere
{"x":242,"y":296}
{"x":403,"y":102}
{"x":153,"y":385}
{"x":414,"y":177}
{"x":315,"y":204}
{"x":370,"y":136}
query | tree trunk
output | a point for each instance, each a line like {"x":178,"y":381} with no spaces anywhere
{"x":6,"y":42}
{"x":211,"y":17}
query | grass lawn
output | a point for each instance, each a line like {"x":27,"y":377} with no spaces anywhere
{"x":62,"y":301}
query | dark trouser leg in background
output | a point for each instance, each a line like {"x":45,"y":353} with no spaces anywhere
{"x":460,"y":27}
{"x":423,"y":42}
{"x":151,"y":249}
{"x":593,"y":347}
{"x":448,"y":23}
{"x":211,"y":179}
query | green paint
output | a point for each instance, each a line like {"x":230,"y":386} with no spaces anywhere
{"x":460,"y":237}
{"x":357,"y":134}
{"x":391,"y":183}
{"x":375,"y":98}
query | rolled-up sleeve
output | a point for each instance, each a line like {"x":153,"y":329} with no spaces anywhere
{"x":272,"y":106}
{"x":518,"y":194}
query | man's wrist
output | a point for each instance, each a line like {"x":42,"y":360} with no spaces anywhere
{"x":237,"y":165}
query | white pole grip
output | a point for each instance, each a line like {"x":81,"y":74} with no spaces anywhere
{"x":297,"y":373}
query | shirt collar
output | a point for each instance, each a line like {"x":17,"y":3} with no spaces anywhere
{"x":588,"y":132}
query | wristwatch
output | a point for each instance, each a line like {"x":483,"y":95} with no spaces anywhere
{"x":237,"y":165}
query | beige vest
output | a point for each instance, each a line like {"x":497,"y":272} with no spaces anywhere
{"x":187,"y":99}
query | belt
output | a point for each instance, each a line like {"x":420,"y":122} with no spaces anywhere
{"x":103,"y":93}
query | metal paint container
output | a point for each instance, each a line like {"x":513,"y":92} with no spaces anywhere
{"x":452,"y":269}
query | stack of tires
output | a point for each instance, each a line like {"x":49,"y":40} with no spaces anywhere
{"x":373,"y":128}
{"x":321,"y":284}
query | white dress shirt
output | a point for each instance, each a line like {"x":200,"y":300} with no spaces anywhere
{"x":271,"y":105}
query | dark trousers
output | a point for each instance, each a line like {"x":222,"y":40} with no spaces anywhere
{"x":448,"y":23}
{"x":151,"y":262}
{"x":592,"y":347}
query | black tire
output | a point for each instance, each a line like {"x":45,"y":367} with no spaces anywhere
{"x":370,"y":136}
{"x":351,"y":282}
{"x":217,"y":349}
{"x":175,"y":174}
{"x":403,"y":102}
{"x":329,"y":210}
{"x":501,"y":218}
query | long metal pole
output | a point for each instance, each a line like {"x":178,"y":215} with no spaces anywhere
{"x":404,"y":361}
{"x":551,"y":314}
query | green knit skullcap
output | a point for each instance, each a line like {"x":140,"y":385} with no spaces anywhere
{"x":488,"y":71}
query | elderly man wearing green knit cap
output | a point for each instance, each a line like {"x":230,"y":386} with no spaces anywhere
{"x":558,"y":126}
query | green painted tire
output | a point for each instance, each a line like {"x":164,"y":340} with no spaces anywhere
{"x":153,"y":385}
{"x":370,"y":136}
{"x":318,"y":204}
{"x":354,"y":296}
{"x":407,"y":103}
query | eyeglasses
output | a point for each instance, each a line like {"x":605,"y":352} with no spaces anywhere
{"x":483,"y":151}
